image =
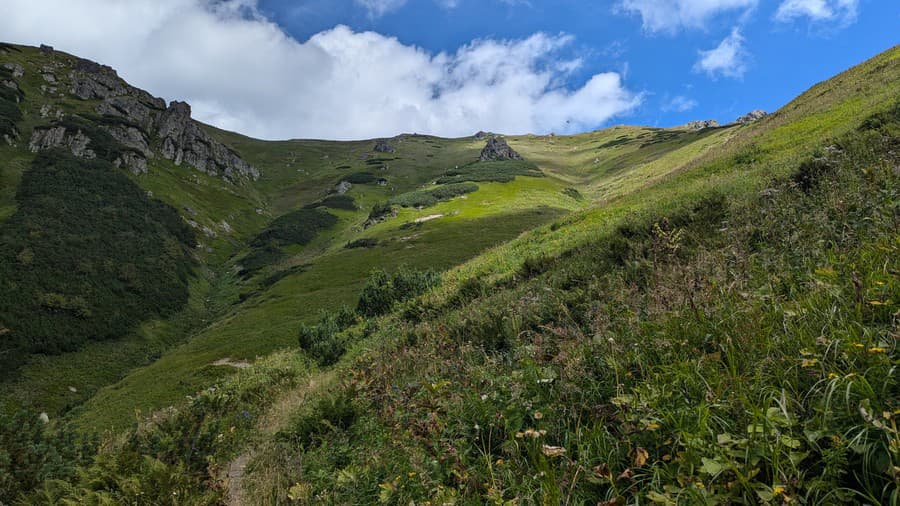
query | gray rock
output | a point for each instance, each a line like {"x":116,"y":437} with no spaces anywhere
{"x":481,"y":135}
{"x":185,"y":141}
{"x":130,"y":137}
{"x":16,"y":69}
{"x":752,"y":116}
{"x":701,"y":124}
{"x":45,"y":49}
{"x":497,"y":149}
{"x":343,"y":187}
{"x":132,"y":161}
{"x":383,"y":146}
{"x":49,"y":77}
{"x":59,"y":137}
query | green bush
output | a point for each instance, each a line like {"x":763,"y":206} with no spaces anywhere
{"x":31,"y":453}
{"x":383,"y":290}
{"x":428,"y":198}
{"x":345,"y":202}
{"x":366,"y":242}
{"x":10,"y":114}
{"x":502,"y":171}
{"x":322,"y":341}
{"x":296,"y":227}
{"x":360,"y":178}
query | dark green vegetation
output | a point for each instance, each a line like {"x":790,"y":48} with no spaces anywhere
{"x":297,"y":227}
{"x":428,"y":198}
{"x":499,"y":171}
{"x":9,"y":106}
{"x":665,"y":316}
{"x":86,"y":257}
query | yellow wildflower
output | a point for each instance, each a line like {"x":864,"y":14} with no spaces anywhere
{"x":877,"y":349}
{"x":778,"y":490}
{"x":809,"y":362}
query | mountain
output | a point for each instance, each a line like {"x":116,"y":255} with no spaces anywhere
{"x":634,"y":314}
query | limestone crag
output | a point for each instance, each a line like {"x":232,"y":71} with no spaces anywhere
{"x":14,"y":68}
{"x":752,"y":116}
{"x":497,"y":149}
{"x":139,"y":122}
{"x":701,"y":124}
{"x":59,"y":137}
{"x":184,"y":141}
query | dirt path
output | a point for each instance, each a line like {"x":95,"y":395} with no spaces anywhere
{"x":273,"y":420}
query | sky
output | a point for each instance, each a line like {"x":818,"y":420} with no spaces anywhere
{"x":355,"y":69}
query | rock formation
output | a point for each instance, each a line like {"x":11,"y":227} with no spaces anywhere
{"x":383,"y":146}
{"x":701,"y":124}
{"x":138,"y":121}
{"x":497,"y":149}
{"x":481,"y":135}
{"x":752,"y":116}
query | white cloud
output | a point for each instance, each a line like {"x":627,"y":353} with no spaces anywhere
{"x":728,"y":59}
{"x":378,"y":8}
{"x":678,"y":103}
{"x":843,"y":11}
{"x":670,"y":16}
{"x":242,"y":72}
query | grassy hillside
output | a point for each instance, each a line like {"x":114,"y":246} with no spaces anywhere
{"x":656,"y":316}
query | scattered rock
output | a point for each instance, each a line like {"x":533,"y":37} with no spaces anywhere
{"x":132,"y":161}
{"x":701,"y":124}
{"x":343,"y":187}
{"x":189,"y":210}
{"x":49,"y":77}
{"x":752,"y":116}
{"x":383,"y":146}
{"x":73,"y":389}
{"x":45,"y":49}
{"x":237,"y":364}
{"x":16,"y":69}
{"x":497,"y":149}
{"x":44,"y":418}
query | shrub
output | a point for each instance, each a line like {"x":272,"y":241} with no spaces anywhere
{"x":322,"y":340}
{"x":360,"y":178}
{"x":296,"y":227}
{"x":367,"y":242}
{"x":498,"y":171}
{"x":383,"y":290}
{"x":428,"y":198}
{"x":87,"y":256}
{"x":335,"y":202}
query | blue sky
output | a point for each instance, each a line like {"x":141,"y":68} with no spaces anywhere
{"x":368,"y":68}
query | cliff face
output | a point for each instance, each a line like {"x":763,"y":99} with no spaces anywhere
{"x":141,"y":124}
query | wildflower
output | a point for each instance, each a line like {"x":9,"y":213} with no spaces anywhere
{"x":652,"y":426}
{"x":858,"y":345}
{"x":809,"y":362}
{"x":832,"y":375}
{"x":877,"y":349}
{"x":553,"y":451}
{"x":778,"y":490}
{"x":699,"y":484}
{"x":499,"y":462}
{"x":538,"y":415}
{"x":876,"y":303}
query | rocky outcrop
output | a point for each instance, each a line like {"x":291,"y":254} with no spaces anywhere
{"x":383,"y":146}
{"x":482,"y":135}
{"x":45,"y":49}
{"x":14,"y":68}
{"x":138,"y":121}
{"x":497,"y":149}
{"x":701,"y":124}
{"x":752,"y":116}
{"x":59,"y":137}
{"x":184,"y":141}
{"x":343,"y":187}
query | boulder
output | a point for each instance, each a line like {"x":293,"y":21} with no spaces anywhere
{"x":497,"y":149}
{"x":45,"y":49}
{"x":14,"y":68}
{"x":481,"y":135}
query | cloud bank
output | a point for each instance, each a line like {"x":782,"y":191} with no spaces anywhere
{"x":240,"y":71}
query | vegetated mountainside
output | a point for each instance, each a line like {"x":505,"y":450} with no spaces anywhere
{"x":718,"y":325}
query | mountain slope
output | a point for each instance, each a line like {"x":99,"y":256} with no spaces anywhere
{"x":666,"y":340}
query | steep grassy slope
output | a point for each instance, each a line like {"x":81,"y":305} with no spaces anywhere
{"x":685,"y":339}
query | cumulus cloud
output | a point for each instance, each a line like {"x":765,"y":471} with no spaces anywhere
{"x":678,"y":103}
{"x":670,"y":16}
{"x":241,"y":72}
{"x":728,"y":59}
{"x":378,"y":8}
{"x":843,"y":11}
